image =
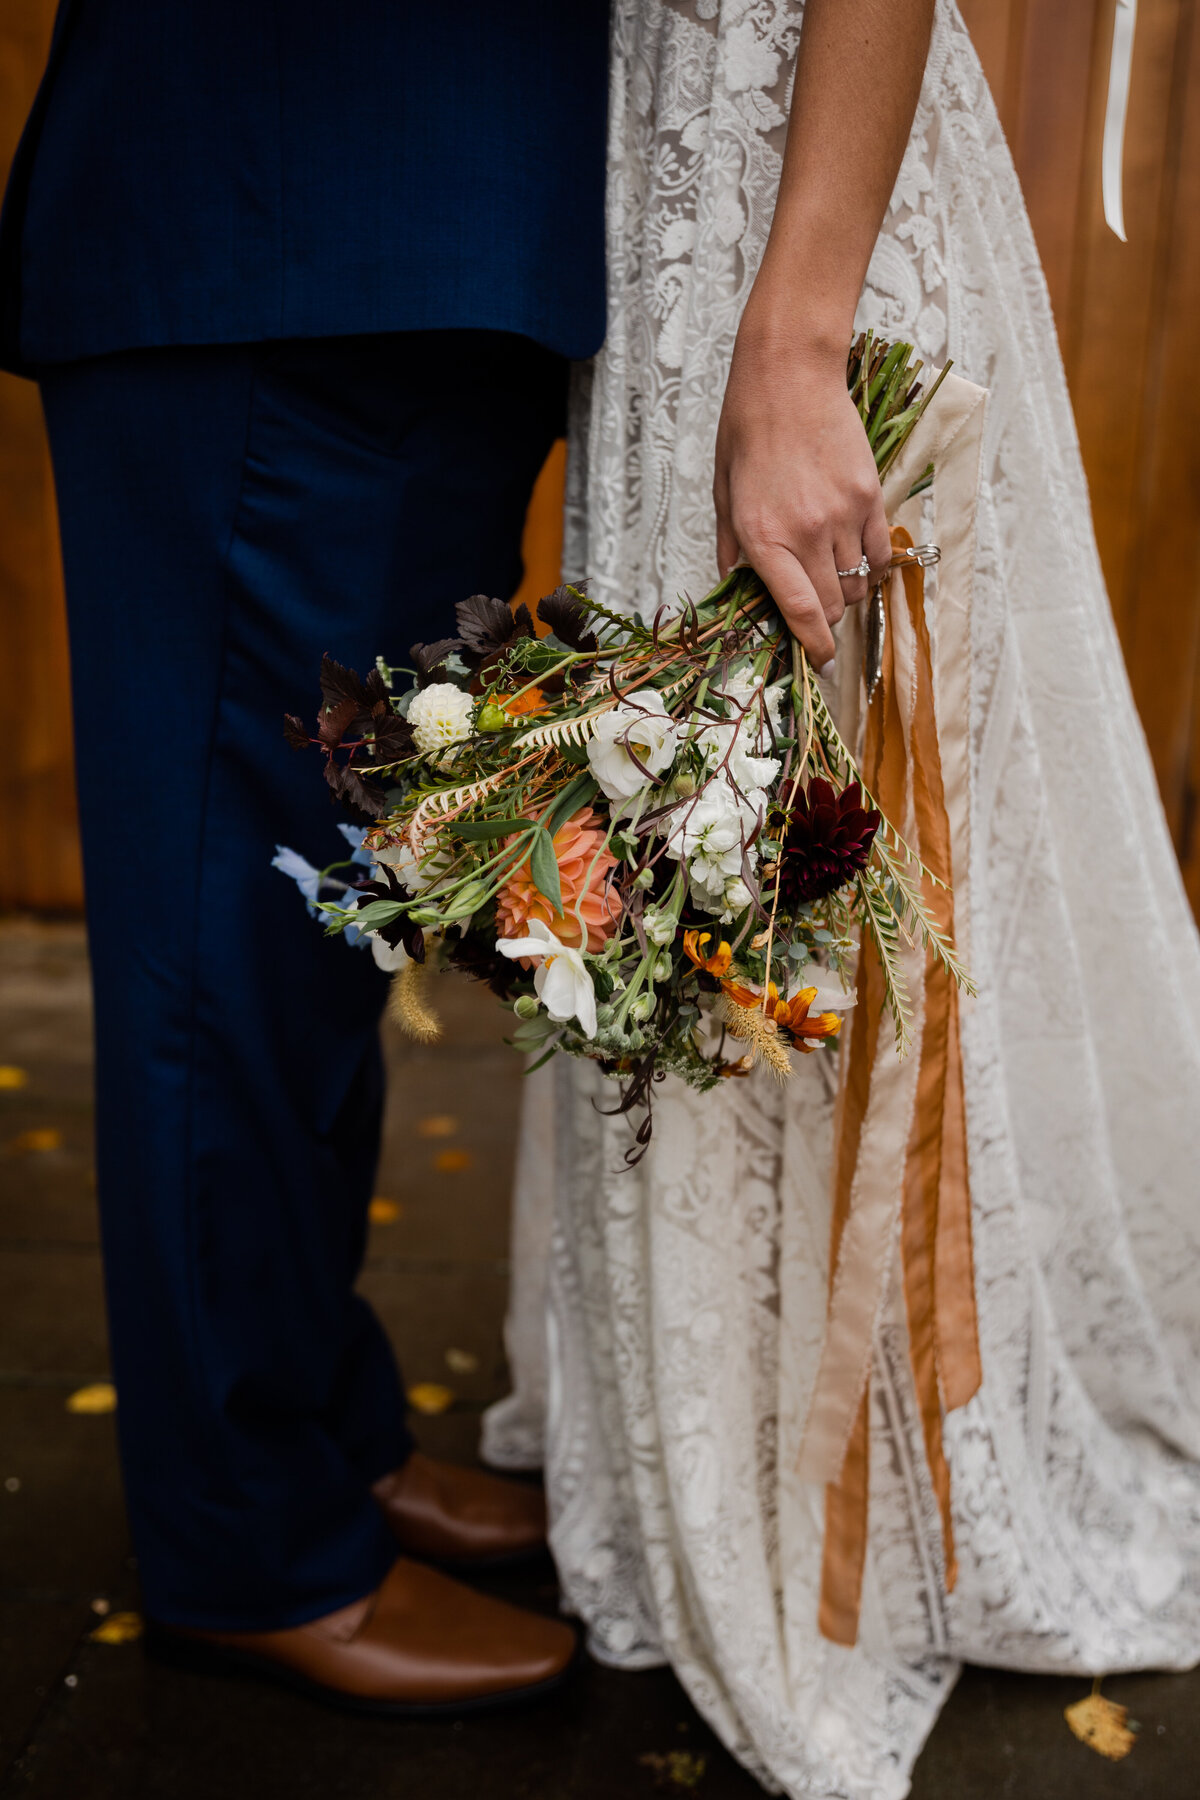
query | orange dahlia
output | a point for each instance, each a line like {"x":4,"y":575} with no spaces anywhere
{"x":585,"y":891}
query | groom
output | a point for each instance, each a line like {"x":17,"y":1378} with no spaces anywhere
{"x":299,"y":285}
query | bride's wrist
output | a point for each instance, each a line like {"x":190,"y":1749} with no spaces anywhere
{"x":789,"y":326}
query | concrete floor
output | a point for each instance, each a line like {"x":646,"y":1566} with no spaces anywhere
{"x":81,"y":1720}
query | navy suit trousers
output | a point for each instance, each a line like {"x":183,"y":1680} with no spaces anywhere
{"x":228,"y":514}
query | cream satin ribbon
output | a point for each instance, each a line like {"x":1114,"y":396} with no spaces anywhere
{"x":1120,"y":71}
{"x":901,"y":1163}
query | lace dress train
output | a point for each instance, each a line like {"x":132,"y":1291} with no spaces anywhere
{"x":687,"y":1297}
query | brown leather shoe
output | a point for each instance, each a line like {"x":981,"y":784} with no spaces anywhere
{"x":421,"y":1645}
{"x":463,"y":1517}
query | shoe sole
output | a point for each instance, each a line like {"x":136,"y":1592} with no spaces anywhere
{"x":198,"y":1658}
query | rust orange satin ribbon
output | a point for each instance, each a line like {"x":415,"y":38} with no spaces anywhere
{"x":935,"y":1228}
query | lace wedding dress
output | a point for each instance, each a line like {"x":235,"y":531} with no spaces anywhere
{"x":686,"y":1299}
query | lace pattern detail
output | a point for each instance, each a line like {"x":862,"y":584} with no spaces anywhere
{"x":687,"y":1298}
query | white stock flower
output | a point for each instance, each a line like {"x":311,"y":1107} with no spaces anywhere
{"x":729,"y":746}
{"x":641,"y":725}
{"x":710,"y":834}
{"x":737,"y":895}
{"x":659,"y":925}
{"x":562,"y":981}
{"x":440,"y":714}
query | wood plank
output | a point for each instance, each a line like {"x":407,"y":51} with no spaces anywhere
{"x":1162,"y":575}
{"x":1049,"y":130}
{"x":41,"y":864}
{"x":1119,"y":309}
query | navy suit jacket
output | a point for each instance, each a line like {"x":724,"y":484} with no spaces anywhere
{"x":225,"y":171}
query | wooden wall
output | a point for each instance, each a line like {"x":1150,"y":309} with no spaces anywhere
{"x":1126,"y":316}
{"x":39,"y":846}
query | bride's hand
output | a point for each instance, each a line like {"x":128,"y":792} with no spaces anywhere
{"x":796,"y":490}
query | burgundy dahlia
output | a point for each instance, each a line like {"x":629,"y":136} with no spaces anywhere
{"x":829,"y":838}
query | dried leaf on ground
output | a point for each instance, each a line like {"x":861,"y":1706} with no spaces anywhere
{"x":384,"y":1212}
{"x":452,"y":1162}
{"x":436,"y":1125}
{"x":36,"y":1142}
{"x":118,"y":1628}
{"x":1101,"y":1725}
{"x":430,"y":1397}
{"x":98,"y":1397}
{"x":678,"y":1771}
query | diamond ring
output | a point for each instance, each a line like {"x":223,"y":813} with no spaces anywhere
{"x":864,"y":569}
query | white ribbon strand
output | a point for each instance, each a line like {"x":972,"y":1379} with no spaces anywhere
{"x":1112,"y":161}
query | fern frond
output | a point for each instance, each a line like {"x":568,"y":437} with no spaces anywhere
{"x":438,"y":808}
{"x":575,"y":730}
{"x":883,"y":924}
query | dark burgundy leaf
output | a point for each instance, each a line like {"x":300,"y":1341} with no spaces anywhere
{"x":393,"y":738}
{"x":362,"y":800}
{"x":339,"y":684}
{"x":484,"y":625}
{"x":566,"y":615}
{"x":428,"y":658}
{"x":333,"y":724}
{"x":295,"y":732}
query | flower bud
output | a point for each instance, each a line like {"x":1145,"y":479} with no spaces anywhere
{"x":491,"y":718}
{"x":662,"y":969}
{"x":644,"y":878}
{"x":642,"y":1007}
{"x":525,"y":1006}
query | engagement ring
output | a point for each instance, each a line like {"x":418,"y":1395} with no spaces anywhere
{"x":864,"y":568}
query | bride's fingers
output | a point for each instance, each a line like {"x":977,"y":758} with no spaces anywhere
{"x":847,"y":554}
{"x":727,"y":545}
{"x":876,"y":539}
{"x":798,"y":601}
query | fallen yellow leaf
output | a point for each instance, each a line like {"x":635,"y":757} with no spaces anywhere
{"x":12,"y":1077}
{"x":1101,"y":1725}
{"x":452,"y":1162}
{"x":118,"y":1628}
{"x":437,"y":1125}
{"x":100,"y":1397}
{"x":32,"y":1143}
{"x":677,"y":1770}
{"x":430,"y":1397}
{"x":462,"y":1362}
{"x":384,"y":1212}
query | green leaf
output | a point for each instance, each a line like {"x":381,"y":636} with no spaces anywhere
{"x":479,"y":830}
{"x":543,"y":866}
{"x":376,"y":913}
{"x":576,"y":794}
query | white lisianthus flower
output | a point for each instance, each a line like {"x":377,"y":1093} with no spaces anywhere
{"x":831,"y":995}
{"x":386,"y":957}
{"x":562,"y":981}
{"x":416,"y":874}
{"x":440,"y":715}
{"x":641,"y":725}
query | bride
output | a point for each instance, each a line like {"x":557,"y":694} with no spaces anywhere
{"x":687,"y":1296}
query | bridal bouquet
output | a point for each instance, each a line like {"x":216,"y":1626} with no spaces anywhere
{"x":647,"y":837}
